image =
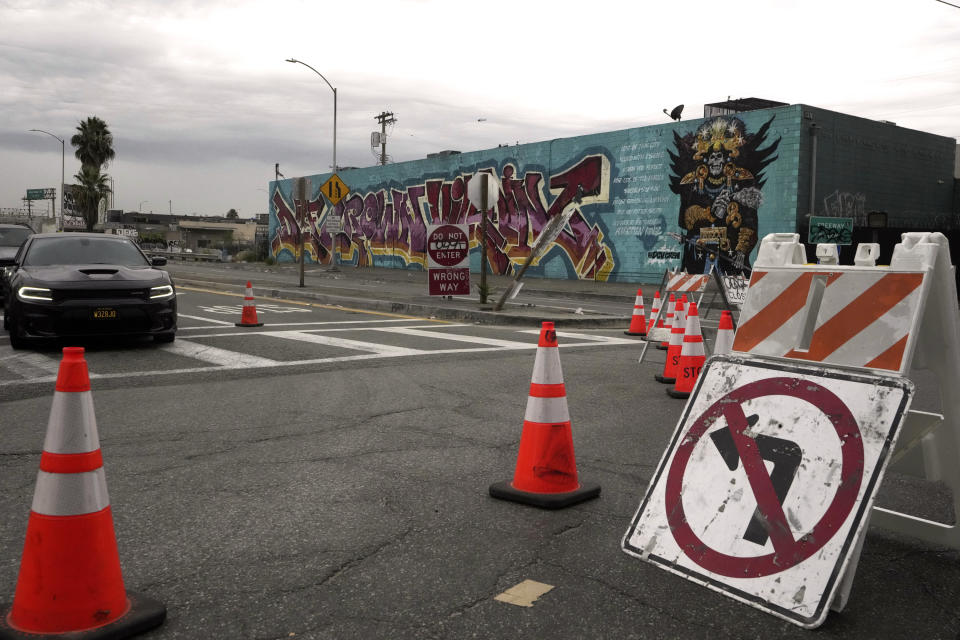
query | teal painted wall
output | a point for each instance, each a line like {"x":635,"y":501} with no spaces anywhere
{"x":737,"y":175}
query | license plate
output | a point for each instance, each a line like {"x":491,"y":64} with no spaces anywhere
{"x":104,"y":313}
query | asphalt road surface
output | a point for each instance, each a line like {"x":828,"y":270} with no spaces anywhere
{"x":326,"y":476}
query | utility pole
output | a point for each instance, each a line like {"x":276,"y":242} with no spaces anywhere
{"x":384,"y":119}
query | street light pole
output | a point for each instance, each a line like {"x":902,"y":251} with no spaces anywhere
{"x":336,"y":236}
{"x":63,"y":154}
{"x":334,"y":89}
{"x":140,"y":206}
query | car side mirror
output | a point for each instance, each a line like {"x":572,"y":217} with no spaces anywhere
{"x":158,"y":261}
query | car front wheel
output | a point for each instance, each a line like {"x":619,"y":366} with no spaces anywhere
{"x":17,"y":341}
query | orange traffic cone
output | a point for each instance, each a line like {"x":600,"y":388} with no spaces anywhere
{"x":668,"y":322}
{"x":692,"y":356}
{"x":669,"y":375}
{"x":546,"y":471}
{"x":655,"y":308}
{"x":70,"y":580}
{"x":724,"y":342}
{"x":638,"y":322}
{"x":249,"y":316}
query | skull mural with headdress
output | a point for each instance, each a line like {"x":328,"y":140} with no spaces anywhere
{"x":717,"y":171}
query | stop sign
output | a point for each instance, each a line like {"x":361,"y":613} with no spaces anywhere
{"x":448,"y":245}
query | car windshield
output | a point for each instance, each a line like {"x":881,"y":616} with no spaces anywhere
{"x":44,"y":252}
{"x":13,"y":237}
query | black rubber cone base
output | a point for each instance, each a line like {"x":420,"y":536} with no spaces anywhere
{"x":144,"y":614}
{"x":256,"y":324}
{"x":635,"y":333}
{"x":662,"y":348}
{"x":660,"y":378}
{"x":505,"y":491}
{"x":673,"y":393}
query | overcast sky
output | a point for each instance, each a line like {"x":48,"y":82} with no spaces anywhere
{"x":201,"y":103}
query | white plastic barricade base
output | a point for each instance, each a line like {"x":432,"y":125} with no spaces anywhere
{"x":765,"y":490}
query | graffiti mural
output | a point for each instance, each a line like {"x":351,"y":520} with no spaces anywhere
{"x":717,"y":171}
{"x":389,"y":225}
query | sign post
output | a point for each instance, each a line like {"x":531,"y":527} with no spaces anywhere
{"x":336,"y":190}
{"x":483,"y":190}
{"x":448,"y":260}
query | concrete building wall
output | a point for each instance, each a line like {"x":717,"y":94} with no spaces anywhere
{"x":865,"y":165}
{"x":732,"y":178}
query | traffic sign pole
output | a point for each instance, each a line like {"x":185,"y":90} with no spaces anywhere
{"x":483,"y":238}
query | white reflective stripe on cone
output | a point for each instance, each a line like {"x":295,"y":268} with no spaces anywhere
{"x":546,"y":367}
{"x":548,"y":410}
{"x":70,"y":494}
{"x":72,"y":427}
{"x":692,"y":348}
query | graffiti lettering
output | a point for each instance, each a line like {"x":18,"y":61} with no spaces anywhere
{"x":392,"y":224}
{"x":843,"y":204}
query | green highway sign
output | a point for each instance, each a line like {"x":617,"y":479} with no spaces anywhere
{"x":830,"y":230}
{"x":41,"y":194}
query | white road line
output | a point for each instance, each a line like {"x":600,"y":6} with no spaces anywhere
{"x":356,"y":345}
{"x":183,"y":315}
{"x":309,"y":324}
{"x":412,"y":331}
{"x":586,"y":336}
{"x":213,"y":355}
{"x":222,"y":359}
{"x":28,"y":365}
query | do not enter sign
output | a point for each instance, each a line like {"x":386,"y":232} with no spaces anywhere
{"x":448,"y":260}
{"x":448,"y":245}
{"x":763,"y":491}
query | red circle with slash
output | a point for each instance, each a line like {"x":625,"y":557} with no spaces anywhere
{"x":788,"y":551}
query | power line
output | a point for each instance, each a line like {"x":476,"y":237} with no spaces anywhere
{"x":955,"y":6}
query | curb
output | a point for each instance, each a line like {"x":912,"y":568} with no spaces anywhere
{"x":479,"y":316}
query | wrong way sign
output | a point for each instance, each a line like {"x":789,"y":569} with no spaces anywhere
{"x":767,"y":482}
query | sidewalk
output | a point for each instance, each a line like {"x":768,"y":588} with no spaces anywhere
{"x":568,"y":303}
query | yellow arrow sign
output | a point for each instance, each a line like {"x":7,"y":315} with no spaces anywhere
{"x":335,"y":189}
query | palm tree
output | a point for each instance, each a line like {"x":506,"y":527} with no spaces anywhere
{"x":93,"y":188}
{"x":94,"y":143}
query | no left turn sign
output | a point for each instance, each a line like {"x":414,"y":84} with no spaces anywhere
{"x":763,"y":491}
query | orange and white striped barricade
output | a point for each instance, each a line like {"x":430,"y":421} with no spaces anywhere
{"x":682,"y":282}
{"x":885,"y":320}
{"x":693,"y":285}
{"x":70,"y":583}
{"x":818,"y":375}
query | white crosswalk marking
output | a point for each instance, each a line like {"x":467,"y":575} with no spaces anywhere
{"x":357,"y":345}
{"x":214,"y":355}
{"x":26,"y":364}
{"x":36,"y":368}
{"x":412,"y":331}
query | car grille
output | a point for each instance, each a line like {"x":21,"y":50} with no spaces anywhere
{"x":63,"y":295}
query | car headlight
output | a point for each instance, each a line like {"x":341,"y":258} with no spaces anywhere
{"x":163,"y":291}
{"x":35,"y":293}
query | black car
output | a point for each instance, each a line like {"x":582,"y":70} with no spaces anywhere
{"x":84,"y":285}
